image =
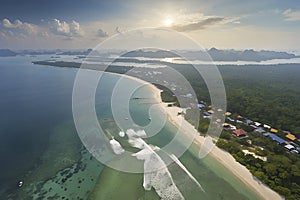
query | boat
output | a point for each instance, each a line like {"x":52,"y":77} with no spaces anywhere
{"x":20,"y":183}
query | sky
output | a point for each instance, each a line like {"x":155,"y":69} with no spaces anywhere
{"x":78,"y":24}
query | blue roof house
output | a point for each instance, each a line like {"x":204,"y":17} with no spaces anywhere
{"x":248,"y":121}
{"x":259,"y":130}
{"x":275,"y":138}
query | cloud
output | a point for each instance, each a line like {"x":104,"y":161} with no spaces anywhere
{"x":101,"y":33}
{"x":55,"y":31}
{"x":187,"y":22}
{"x":75,"y":28}
{"x":292,"y":15}
{"x":203,"y":23}
{"x":63,"y":28}
{"x":17,"y":28}
{"x":7,"y":24}
{"x":236,"y":22}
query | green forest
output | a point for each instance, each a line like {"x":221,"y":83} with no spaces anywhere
{"x":266,"y":93}
{"x":281,"y":171}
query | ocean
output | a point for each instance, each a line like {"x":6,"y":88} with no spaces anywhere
{"x":40,"y":145}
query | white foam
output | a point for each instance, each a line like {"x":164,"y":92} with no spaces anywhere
{"x":121,"y":133}
{"x":130,"y":133}
{"x":137,"y":143}
{"x":156,"y":173}
{"x":140,"y":133}
{"x":116,"y":147}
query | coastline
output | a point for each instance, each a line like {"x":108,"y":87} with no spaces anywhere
{"x":221,"y":156}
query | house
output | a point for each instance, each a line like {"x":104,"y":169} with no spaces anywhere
{"x":289,"y":147}
{"x":200,"y":105}
{"x":275,"y":138}
{"x":253,"y":126}
{"x":248,"y":121}
{"x":259,"y":130}
{"x":211,"y":111}
{"x":239,"y":121}
{"x":226,"y":125}
{"x":239,"y":117}
{"x":240,"y":133}
{"x":294,"y":151}
{"x":207,"y":117}
{"x":291,"y":136}
{"x":273,"y":130}
{"x":230,"y":119}
{"x":257,"y":123}
{"x":206,"y":113}
{"x":228,"y":113}
{"x":229,"y":127}
{"x":232,"y":127}
{"x":295,"y":145}
{"x":267,"y":126}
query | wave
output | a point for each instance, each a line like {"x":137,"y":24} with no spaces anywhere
{"x":116,"y":147}
{"x":156,"y":173}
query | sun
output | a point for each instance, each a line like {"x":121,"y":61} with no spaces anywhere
{"x":168,"y":22}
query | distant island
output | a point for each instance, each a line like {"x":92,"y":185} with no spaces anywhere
{"x":215,"y":54}
{"x":111,"y":68}
{"x":248,"y":55}
{"x":6,"y":53}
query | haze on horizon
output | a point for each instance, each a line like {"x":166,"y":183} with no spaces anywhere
{"x":226,"y":24}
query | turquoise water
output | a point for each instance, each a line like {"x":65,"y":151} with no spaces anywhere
{"x":39,"y":143}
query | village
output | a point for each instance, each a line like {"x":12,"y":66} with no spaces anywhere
{"x":236,"y":125}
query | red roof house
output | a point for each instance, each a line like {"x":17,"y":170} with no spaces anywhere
{"x":240,"y":133}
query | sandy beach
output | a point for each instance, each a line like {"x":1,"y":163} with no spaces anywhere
{"x":220,"y":155}
{"x":223,"y":157}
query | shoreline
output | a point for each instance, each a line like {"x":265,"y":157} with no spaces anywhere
{"x":220,"y":155}
{"x":223,"y":157}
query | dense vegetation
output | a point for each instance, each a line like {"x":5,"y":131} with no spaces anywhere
{"x":269,"y":94}
{"x":280,"y":172}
